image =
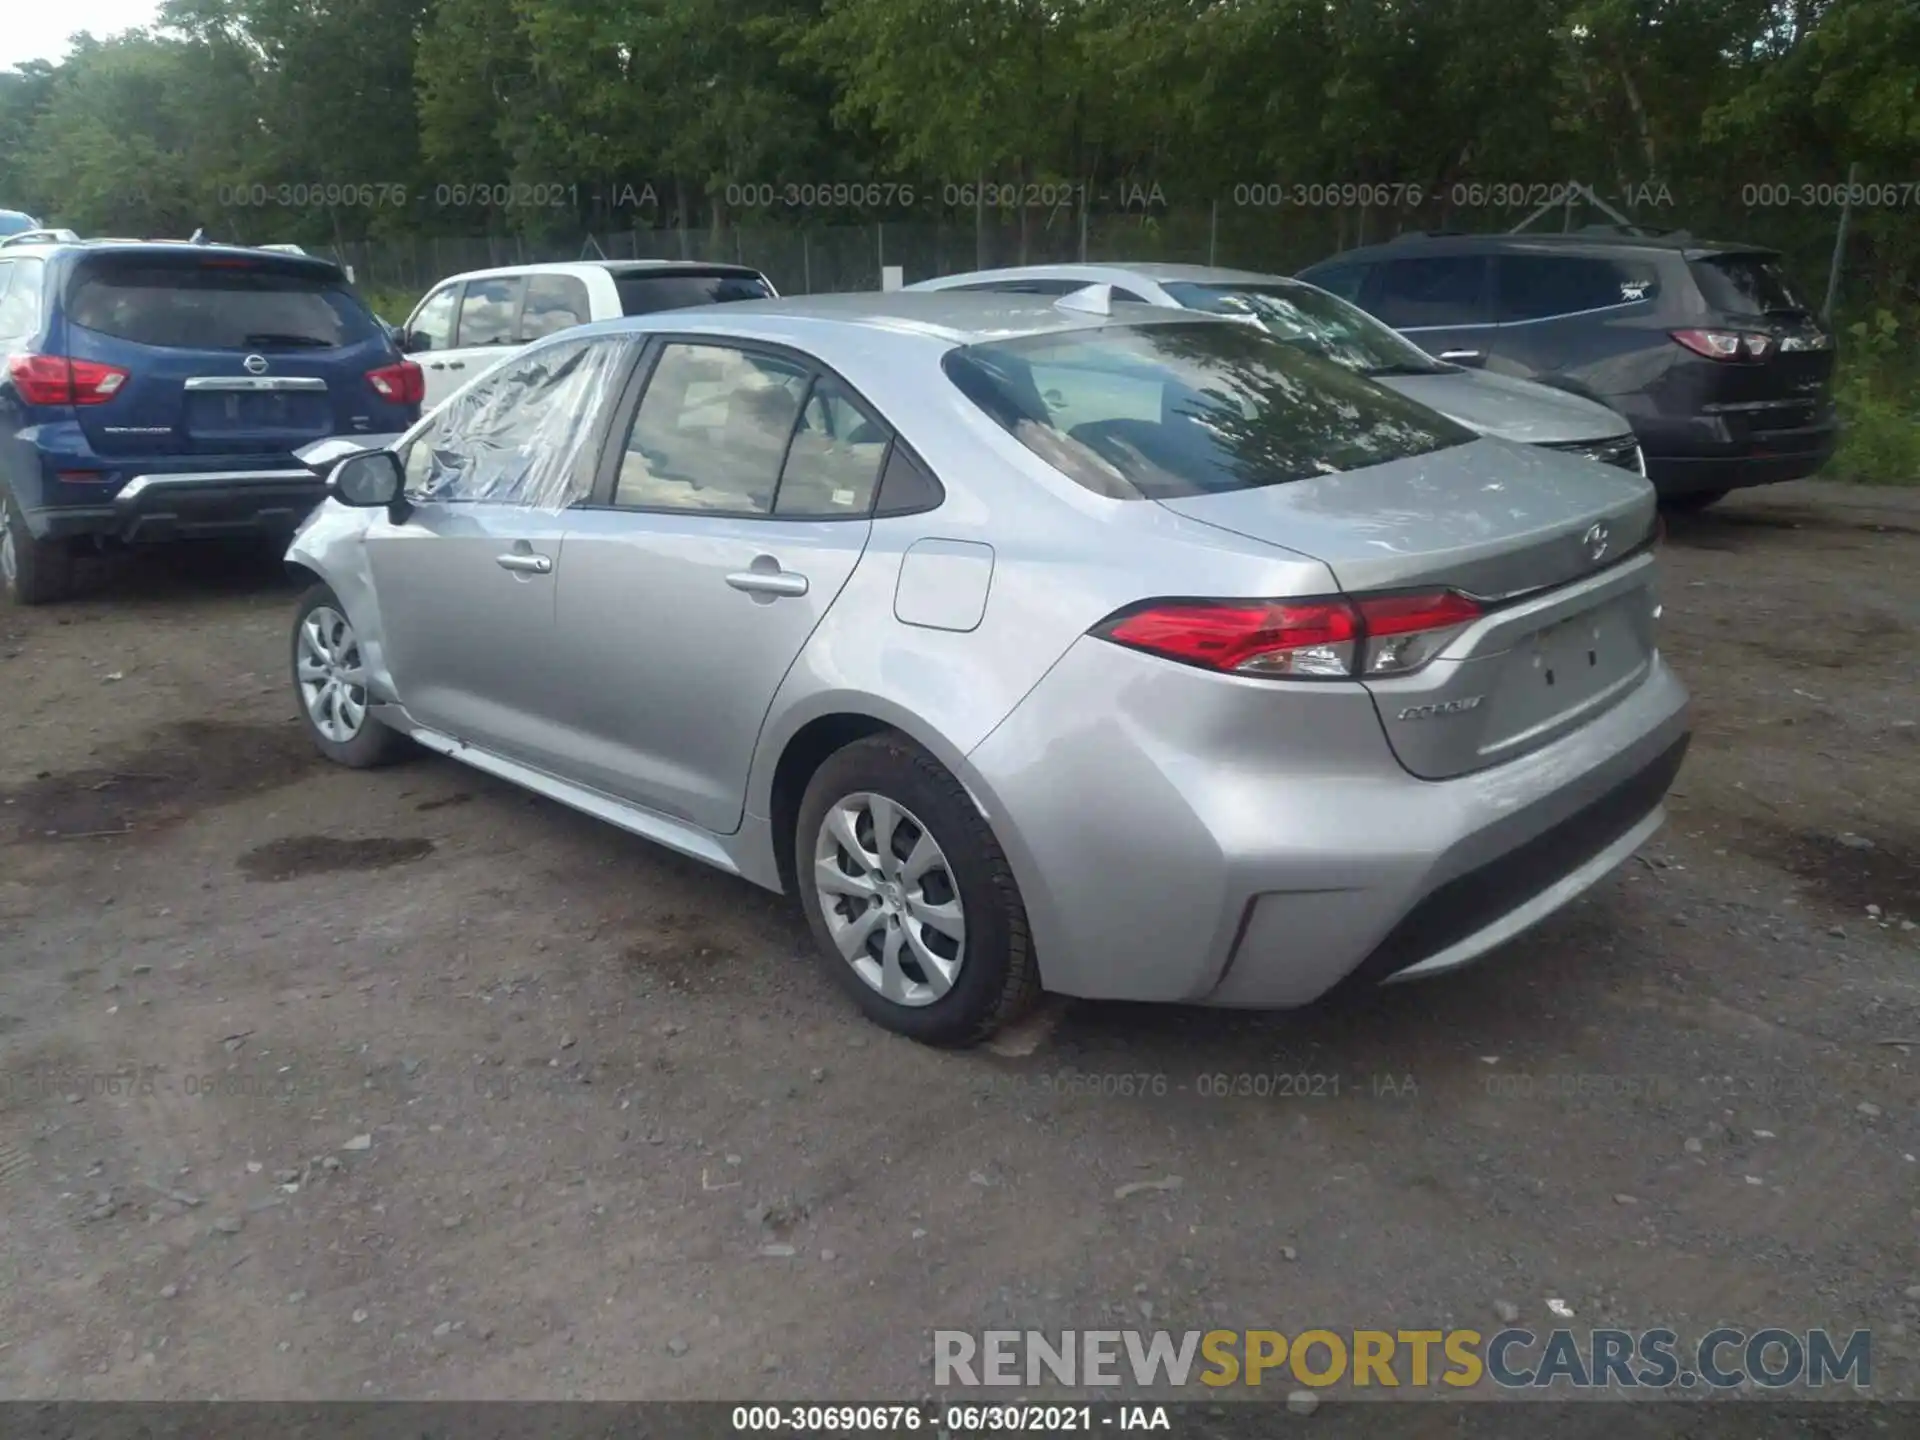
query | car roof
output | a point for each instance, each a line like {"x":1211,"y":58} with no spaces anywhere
{"x":944,"y":316}
{"x":279,"y":259}
{"x":1114,"y":272}
{"x":619,"y":269}
{"x":1594,"y":240}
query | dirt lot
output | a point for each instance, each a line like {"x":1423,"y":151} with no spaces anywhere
{"x":429,"y":1088}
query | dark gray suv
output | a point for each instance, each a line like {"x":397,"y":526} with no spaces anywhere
{"x":1718,"y":363}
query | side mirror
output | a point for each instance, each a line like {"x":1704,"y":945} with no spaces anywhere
{"x":367,"y":481}
{"x":411,"y":342}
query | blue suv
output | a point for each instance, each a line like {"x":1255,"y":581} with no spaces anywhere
{"x":158,"y":391}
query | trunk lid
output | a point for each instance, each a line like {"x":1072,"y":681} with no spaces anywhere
{"x":1509,"y":408}
{"x":1542,"y":539}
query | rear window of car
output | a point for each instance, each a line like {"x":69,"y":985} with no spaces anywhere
{"x":203,"y":307}
{"x":1746,"y":285}
{"x":1161,"y":412}
{"x":677,"y":290}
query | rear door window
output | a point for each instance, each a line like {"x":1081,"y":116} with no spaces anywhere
{"x":711,"y":431}
{"x":1431,"y":290}
{"x":1538,"y":287}
{"x":487,"y":312}
{"x":1747,"y":285}
{"x":221,"y":305}
{"x":644,"y":294}
{"x":554,"y":303}
{"x":835,"y":459}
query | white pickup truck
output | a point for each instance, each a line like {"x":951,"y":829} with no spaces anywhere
{"x":471,"y":322}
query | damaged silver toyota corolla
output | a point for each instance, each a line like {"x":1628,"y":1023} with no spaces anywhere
{"x":1097,"y":648}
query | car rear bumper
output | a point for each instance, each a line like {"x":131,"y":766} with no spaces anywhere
{"x":191,"y":505}
{"x":1765,"y":458}
{"x":1274,"y":861}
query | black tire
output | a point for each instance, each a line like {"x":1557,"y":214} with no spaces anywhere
{"x":997,"y":977}
{"x":375,"y":743}
{"x":1691,"y":502}
{"x":41,"y":570}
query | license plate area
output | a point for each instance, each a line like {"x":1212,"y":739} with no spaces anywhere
{"x":275,"y":412}
{"x":1555,"y":675}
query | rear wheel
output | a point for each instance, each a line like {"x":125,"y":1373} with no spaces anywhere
{"x":1692,"y":500}
{"x":910,"y":896}
{"x":330,"y":682}
{"x":32,"y":572}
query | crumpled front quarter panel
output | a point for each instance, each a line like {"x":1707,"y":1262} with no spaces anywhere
{"x":332,"y":543}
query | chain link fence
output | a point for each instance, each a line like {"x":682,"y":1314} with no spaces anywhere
{"x":812,"y":258}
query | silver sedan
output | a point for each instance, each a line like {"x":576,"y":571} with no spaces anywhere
{"x":1114,"y":651}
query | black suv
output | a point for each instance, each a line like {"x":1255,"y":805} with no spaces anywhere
{"x":1720,"y":366}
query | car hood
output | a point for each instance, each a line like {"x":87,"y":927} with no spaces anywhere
{"x":1511,"y":409}
{"x":1488,"y":517}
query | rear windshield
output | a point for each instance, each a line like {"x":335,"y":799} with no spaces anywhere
{"x":1160,"y":412}
{"x":1316,"y":322}
{"x":644,"y":294}
{"x":202,"y":307}
{"x":1746,"y":285}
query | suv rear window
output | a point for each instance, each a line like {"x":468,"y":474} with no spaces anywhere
{"x":1160,"y":412}
{"x":1746,"y":285}
{"x":202,"y":307}
{"x":677,"y":290}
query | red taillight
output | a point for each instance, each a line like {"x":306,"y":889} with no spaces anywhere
{"x":56,"y":380}
{"x":1312,"y":639}
{"x":1260,"y":637}
{"x":1726,"y":344}
{"x":402,"y":384}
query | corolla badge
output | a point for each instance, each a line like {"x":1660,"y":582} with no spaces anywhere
{"x":255,"y":364}
{"x":1442,"y":707}
{"x":1596,"y":541}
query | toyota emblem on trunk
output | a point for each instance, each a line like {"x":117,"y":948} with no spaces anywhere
{"x":255,"y":364}
{"x":1596,"y":541}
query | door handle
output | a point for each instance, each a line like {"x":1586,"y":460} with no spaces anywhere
{"x":1463,"y":357}
{"x":531,"y":564}
{"x":768,"y":582}
{"x":457,"y":365}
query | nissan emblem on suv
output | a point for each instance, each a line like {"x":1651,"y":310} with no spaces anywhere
{"x":255,"y":364}
{"x":1596,"y":541}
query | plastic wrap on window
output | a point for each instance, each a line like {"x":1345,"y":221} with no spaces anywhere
{"x":523,"y":435}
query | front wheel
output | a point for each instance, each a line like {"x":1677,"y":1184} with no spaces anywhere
{"x":330,"y":684}
{"x":910,"y":896}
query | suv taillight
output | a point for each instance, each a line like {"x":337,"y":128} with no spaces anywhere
{"x":404,"y":383}
{"x":1726,"y":344}
{"x":1365,"y":636}
{"x":56,"y":380}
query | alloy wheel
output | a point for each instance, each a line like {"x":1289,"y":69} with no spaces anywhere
{"x":333,"y":681}
{"x":890,"y":899}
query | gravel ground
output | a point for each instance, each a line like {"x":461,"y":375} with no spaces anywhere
{"x":434,"y":1089}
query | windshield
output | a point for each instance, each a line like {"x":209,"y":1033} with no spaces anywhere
{"x":1317,"y":322}
{"x":1160,"y":412}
